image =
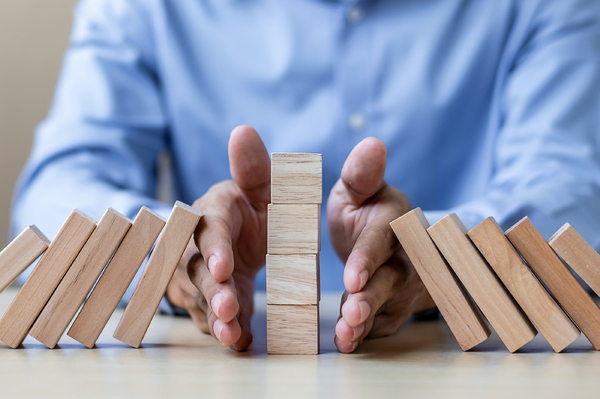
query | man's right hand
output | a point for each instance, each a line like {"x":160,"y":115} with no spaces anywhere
{"x":215,"y":278}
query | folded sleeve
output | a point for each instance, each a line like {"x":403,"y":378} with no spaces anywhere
{"x":546,"y":162}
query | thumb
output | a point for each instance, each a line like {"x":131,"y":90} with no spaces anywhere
{"x":250,"y":165}
{"x":363,"y":171}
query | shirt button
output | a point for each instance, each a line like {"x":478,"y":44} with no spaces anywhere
{"x":357,"y":121}
{"x":354,"y":14}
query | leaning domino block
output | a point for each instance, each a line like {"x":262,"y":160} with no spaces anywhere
{"x":535,"y":301}
{"x":507,"y":318}
{"x":117,"y":276}
{"x":459,"y":311}
{"x":557,"y":278}
{"x":79,"y":280}
{"x":578,"y":254}
{"x":21,"y":253}
{"x":44,"y":279}
{"x":160,"y":268}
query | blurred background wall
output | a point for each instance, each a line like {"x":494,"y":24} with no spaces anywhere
{"x":33,"y":37}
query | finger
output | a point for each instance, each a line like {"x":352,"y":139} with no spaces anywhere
{"x":219,"y":302}
{"x":374,"y":246}
{"x":361,"y":306}
{"x":364,"y":169}
{"x":250,"y":165}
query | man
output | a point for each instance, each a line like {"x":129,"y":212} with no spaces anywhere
{"x":486,"y":109}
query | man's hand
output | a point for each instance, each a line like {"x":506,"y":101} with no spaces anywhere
{"x":382,"y":288}
{"x":215,"y":278}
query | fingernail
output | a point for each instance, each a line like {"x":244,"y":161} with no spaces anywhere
{"x":216,"y":302}
{"x":365,"y":310}
{"x":364,"y":277}
{"x":358,"y":331}
{"x":354,"y":345}
{"x":217,"y":328}
{"x":212,"y":263}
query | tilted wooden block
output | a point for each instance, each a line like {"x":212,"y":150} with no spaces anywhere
{"x":561,"y":283}
{"x":79,"y":280}
{"x":501,"y":310}
{"x":20,"y":253}
{"x":293,"y":329}
{"x":160,"y":268}
{"x":296,"y":178}
{"x":535,"y":301}
{"x":578,"y":254}
{"x":294,"y":229}
{"x":293,"y":279}
{"x":459,"y":311}
{"x":44,"y":278}
{"x":117,"y":276}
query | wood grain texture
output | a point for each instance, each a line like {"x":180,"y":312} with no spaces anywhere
{"x":20,"y":253}
{"x":578,"y":254}
{"x":80,"y":278}
{"x":293,"y":279}
{"x":459,"y":311}
{"x":293,"y":329}
{"x":524,"y":286}
{"x":160,"y":268}
{"x":116,"y":278}
{"x":294,"y":229}
{"x":45,"y":277}
{"x":296,"y":178}
{"x":501,"y":310}
{"x":561,"y":283}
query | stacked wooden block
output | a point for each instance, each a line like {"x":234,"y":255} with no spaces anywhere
{"x":83,"y":250}
{"x":516,"y":278}
{"x":293,"y":245}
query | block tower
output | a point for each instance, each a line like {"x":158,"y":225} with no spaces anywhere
{"x":293,"y":245}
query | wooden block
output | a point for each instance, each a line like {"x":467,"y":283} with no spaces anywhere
{"x":578,"y":254}
{"x":44,"y":279}
{"x":296,"y":178}
{"x":293,"y":279}
{"x":561,"y":283}
{"x":160,"y":268}
{"x":293,"y":329}
{"x":116,"y":277}
{"x":501,"y":310}
{"x":520,"y":281}
{"x":459,"y":311}
{"x":20,"y":253}
{"x":79,"y":280}
{"x":294,"y":229}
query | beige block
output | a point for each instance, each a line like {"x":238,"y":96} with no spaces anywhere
{"x":293,"y":279}
{"x":79,"y":280}
{"x":20,"y":253}
{"x":296,"y":178}
{"x":457,"y":307}
{"x":117,"y":276}
{"x":160,"y":268}
{"x":44,"y":278}
{"x":578,"y":254}
{"x":294,"y":229}
{"x":561,"y":283}
{"x":501,"y":310}
{"x":293,"y":329}
{"x":520,"y":281}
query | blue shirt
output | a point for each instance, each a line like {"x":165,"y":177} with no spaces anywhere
{"x":488,"y":108}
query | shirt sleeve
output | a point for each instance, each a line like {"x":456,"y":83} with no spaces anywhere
{"x":546,"y":161}
{"x":106,"y":129}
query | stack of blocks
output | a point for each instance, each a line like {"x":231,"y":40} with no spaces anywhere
{"x":516,"y":278}
{"x":83,"y":250}
{"x":293,"y":245}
